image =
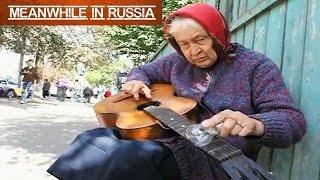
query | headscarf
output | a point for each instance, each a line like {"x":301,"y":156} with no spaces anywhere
{"x":207,"y":16}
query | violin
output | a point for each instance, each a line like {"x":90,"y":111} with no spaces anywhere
{"x":121,"y":111}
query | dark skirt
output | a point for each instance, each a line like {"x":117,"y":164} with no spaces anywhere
{"x":100,"y":154}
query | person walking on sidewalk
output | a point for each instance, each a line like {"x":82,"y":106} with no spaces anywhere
{"x":62,"y":86}
{"x":46,"y":88}
{"x":29,"y":76}
{"x":87,"y":94}
{"x":76,"y":94}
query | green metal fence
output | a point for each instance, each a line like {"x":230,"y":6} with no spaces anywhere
{"x":287,"y":31}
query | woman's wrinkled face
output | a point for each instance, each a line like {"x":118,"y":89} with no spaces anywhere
{"x":196,"y":45}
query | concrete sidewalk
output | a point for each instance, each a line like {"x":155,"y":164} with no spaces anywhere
{"x":33,"y":135}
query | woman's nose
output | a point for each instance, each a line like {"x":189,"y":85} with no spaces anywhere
{"x":195,"y":49}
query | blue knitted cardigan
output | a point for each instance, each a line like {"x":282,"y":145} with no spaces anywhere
{"x":249,"y":82}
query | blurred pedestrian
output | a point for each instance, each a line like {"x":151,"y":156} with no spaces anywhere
{"x":95,"y":92}
{"x":87,"y":94}
{"x":29,"y":76}
{"x":107,"y":93}
{"x":76,"y":95}
{"x":62,"y":87}
{"x":46,"y":88}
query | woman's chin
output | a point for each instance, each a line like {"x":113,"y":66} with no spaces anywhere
{"x":204,"y":64}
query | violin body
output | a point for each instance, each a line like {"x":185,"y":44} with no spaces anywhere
{"x":120,"y":111}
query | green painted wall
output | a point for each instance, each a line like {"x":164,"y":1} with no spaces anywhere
{"x":287,"y":31}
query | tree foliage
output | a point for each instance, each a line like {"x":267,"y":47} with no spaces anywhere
{"x":34,"y":40}
{"x":107,"y":73}
{"x":140,"y":42}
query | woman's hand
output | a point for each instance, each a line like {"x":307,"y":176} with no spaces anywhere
{"x":135,"y":87}
{"x":235,"y":123}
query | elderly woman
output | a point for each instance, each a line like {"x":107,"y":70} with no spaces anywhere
{"x":235,"y":87}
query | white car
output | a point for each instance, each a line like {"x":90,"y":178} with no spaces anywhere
{"x":9,"y":88}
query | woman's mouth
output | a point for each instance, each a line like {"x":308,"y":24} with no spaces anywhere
{"x":201,"y":59}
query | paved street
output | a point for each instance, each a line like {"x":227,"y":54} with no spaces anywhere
{"x":32,"y":135}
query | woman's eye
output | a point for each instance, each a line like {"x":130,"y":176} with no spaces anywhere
{"x":201,"y":40}
{"x":183,"y":44}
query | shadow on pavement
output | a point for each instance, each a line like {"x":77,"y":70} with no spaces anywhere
{"x":33,"y":135}
{"x":15,"y":102}
{"x":45,"y":136}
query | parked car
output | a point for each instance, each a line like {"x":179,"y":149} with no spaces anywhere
{"x":9,"y":88}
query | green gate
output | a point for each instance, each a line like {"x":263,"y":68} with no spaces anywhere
{"x":287,"y":31}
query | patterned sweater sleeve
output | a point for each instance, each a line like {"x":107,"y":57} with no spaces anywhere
{"x":284,"y":123}
{"x":156,"y":71}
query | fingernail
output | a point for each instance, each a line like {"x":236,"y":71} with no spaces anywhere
{"x":216,"y":117}
{"x":205,"y":123}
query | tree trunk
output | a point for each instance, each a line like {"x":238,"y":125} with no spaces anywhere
{"x":22,"y":52}
{"x":38,"y":58}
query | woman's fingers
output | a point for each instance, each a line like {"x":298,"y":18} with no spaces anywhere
{"x":135,"y":87}
{"x":247,"y":130}
{"x":236,"y":129}
{"x":135,"y":90}
{"x":227,"y":126}
{"x":213,"y":121}
{"x":235,"y":123}
{"x":146,"y":91}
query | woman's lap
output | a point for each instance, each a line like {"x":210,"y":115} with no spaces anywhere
{"x":100,"y":154}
